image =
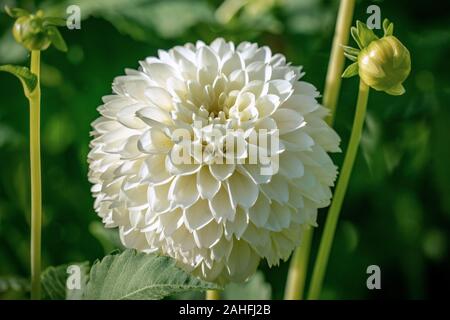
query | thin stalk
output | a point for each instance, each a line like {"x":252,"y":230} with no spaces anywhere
{"x":297,"y":270}
{"x":212,"y":295}
{"x":341,"y":188}
{"x":299,"y":263}
{"x":337,"y":58}
{"x":35,"y":169}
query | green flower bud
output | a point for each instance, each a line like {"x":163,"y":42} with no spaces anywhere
{"x":35,"y":31}
{"x":384,"y":65}
{"x":30,"y":32}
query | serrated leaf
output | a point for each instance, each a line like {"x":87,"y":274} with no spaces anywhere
{"x":352,"y":70}
{"x":57,"y":39}
{"x":388,"y":28}
{"x":133,"y":275}
{"x":54,"y":282}
{"x":28,"y":79}
{"x":256,"y":288}
{"x":16,"y":12}
{"x":365,"y":35}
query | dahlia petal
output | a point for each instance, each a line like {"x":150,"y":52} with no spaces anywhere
{"x":288,"y":120}
{"x":209,"y":235}
{"x":183,"y":191}
{"x":198,"y":215}
{"x":260,"y":212}
{"x":221,"y":171}
{"x":221,"y":207}
{"x":243,"y":191}
{"x":207,"y":184}
{"x":159,"y":97}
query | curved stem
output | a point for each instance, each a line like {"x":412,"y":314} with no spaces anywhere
{"x":295,"y":285}
{"x":333,"y":213}
{"x":35,"y":169}
{"x":212,"y":295}
{"x":298,"y":268}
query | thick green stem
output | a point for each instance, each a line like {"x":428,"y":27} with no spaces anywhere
{"x":212,"y":295}
{"x":35,"y":168}
{"x":299,"y":263}
{"x":341,"y":188}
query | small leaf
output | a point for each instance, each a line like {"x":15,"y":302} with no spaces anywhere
{"x":54,"y":282}
{"x":133,"y":275}
{"x":352,"y":70}
{"x":57,"y":39}
{"x":16,"y":12}
{"x":256,"y":288}
{"x":388,"y":28}
{"x":28,"y":79}
{"x":365,"y":35}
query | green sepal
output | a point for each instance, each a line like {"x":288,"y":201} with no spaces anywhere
{"x":28,"y":79}
{"x":351,"y":70}
{"x":54,"y":21}
{"x":56,"y":38}
{"x":351,"y":53}
{"x":396,"y":91}
{"x":365,"y":35}
{"x":354,"y":33}
{"x":388,"y":28}
{"x":16,"y":12}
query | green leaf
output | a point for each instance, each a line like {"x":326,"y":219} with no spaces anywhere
{"x":28,"y":79}
{"x":365,"y":35}
{"x":133,"y":275}
{"x":256,"y":288}
{"x":388,"y":28}
{"x":16,"y":12}
{"x":54,"y":282}
{"x":352,"y":70}
{"x":57,"y":39}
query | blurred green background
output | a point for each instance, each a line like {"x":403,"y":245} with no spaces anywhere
{"x":397,"y":210}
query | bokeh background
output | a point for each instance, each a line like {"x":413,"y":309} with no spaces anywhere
{"x":397,"y":210}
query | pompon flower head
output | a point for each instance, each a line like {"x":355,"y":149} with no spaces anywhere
{"x":218,"y":212}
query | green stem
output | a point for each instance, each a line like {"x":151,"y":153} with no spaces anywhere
{"x":295,"y":285}
{"x":299,"y":263}
{"x":333,"y":213}
{"x":337,"y":58}
{"x":35,"y":165}
{"x":212,"y":295}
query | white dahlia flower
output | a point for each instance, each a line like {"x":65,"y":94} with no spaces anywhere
{"x":221,"y":212}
